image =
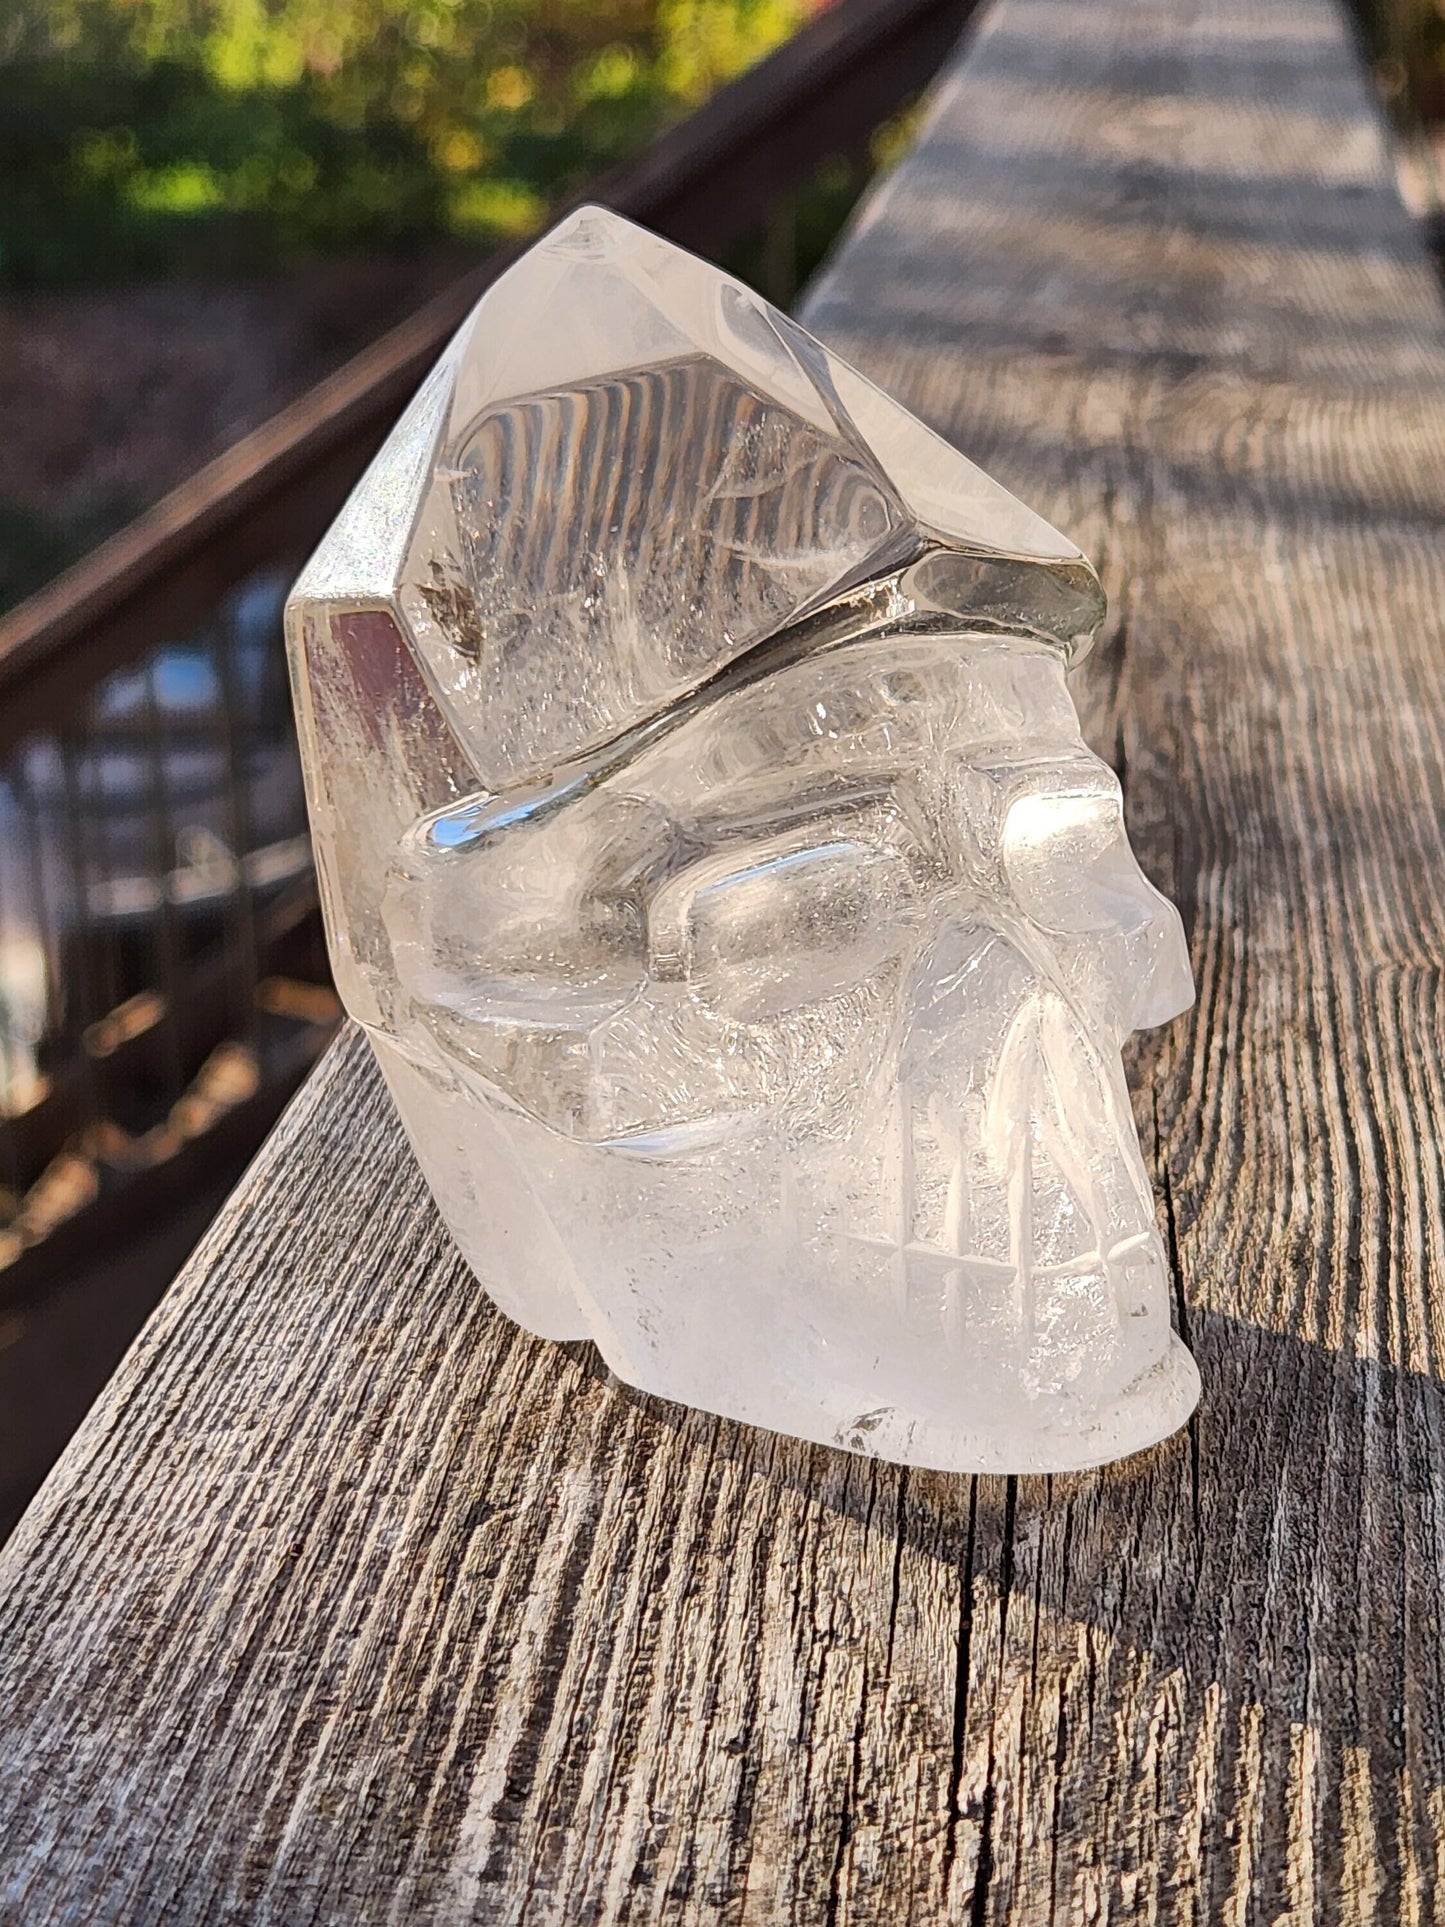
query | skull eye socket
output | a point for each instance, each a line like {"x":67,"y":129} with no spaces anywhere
{"x":1068,"y":861}
{"x":543,"y":927}
{"x":763,"y":929}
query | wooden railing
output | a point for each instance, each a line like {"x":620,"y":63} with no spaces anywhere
{"x":162,"y":978}
{"x":350,"y":1603}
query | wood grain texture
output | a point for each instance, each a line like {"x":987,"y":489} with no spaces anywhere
{"x":352,"y":1604}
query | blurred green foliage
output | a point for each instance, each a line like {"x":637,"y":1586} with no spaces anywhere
{"x":223,"y":136}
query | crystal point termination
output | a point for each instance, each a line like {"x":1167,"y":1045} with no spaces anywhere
{"x":709,"y":847}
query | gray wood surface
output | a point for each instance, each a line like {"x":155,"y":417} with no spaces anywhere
{"x":350,"y":1603}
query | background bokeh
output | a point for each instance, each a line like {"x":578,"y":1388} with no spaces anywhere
{"x":204,"y":204}
{"x":165,"y":136}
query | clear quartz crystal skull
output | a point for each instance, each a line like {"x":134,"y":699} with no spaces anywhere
{"x":709,"y":848}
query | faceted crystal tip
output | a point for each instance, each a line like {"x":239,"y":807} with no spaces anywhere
{"x":636,"y":471}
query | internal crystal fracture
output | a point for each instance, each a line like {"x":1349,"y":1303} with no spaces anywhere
{"x":709,"y":848}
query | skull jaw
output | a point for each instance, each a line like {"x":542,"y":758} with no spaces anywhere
{"x":1052,"y":1434}
{"x":715,"y":1281}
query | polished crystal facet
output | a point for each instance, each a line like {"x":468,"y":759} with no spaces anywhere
{"x":709,"y":848}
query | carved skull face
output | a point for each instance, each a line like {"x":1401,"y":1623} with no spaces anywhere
{"x":830,"y":984}
{"x":709,"y":847}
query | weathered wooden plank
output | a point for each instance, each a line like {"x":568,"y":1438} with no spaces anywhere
{"x":350,"y":1603}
